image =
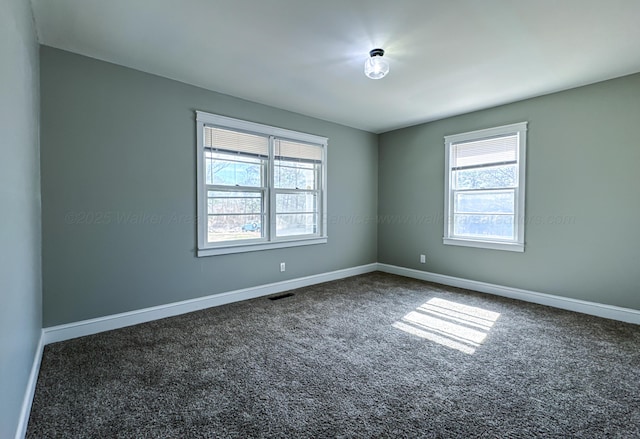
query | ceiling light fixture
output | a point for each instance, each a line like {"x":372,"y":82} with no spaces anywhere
{"x":376,"y":67}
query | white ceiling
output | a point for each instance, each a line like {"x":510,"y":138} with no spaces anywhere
{"x":447,"y":56}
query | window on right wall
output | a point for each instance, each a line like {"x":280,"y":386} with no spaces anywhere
{"x":485,"y":188}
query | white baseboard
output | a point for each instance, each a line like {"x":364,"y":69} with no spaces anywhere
{"x":30,"y":391}
{"x":93,"y":326}
{"x":582,"y":306}
{"x":87,"y":327}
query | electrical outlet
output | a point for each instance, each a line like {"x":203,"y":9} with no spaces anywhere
{"x":423,"y":259}
{"x":282,"y":266}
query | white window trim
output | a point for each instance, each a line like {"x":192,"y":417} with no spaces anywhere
{"x":495,"y":244}
{"x":208,"y":249}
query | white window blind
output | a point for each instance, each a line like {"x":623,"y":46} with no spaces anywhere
{"x":295,"y":151}
{"x":485,"y":152}
{"x":221,"y":140}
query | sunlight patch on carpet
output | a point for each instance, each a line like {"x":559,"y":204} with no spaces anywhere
{"x":450,"y":324}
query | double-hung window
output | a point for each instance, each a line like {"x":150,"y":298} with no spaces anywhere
{"x":485,"y":188}
{"x":259,"y":187}
{"x":297,"y":171}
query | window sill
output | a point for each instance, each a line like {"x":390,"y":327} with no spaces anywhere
{"x":492,"y":245}
{"x":243,"y":248}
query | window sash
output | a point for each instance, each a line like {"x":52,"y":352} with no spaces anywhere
{"x":284,"y":213}
{"x":239,"y":225}
{"x":453,"y":212}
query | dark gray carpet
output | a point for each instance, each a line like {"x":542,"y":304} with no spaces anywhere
{"x":358,"y":358}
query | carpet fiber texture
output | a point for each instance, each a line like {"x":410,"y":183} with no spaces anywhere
{"x":375,"y":355}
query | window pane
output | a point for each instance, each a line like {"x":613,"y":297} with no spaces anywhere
{"x":485,"y":202}
{"x":221,"y":202}
{"x":296,"y":203}
{"x":234,"y":227}
{"x":296,"y":224}
{"x":294,"y":175}
{"x":486,"y":178}
{"x":484,"y":226}
{"x":233,"y":170}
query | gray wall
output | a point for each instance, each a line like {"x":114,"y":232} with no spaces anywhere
{"x":582,"y":167}
{"x":118,"y":142}
{"x":20,"y":285}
